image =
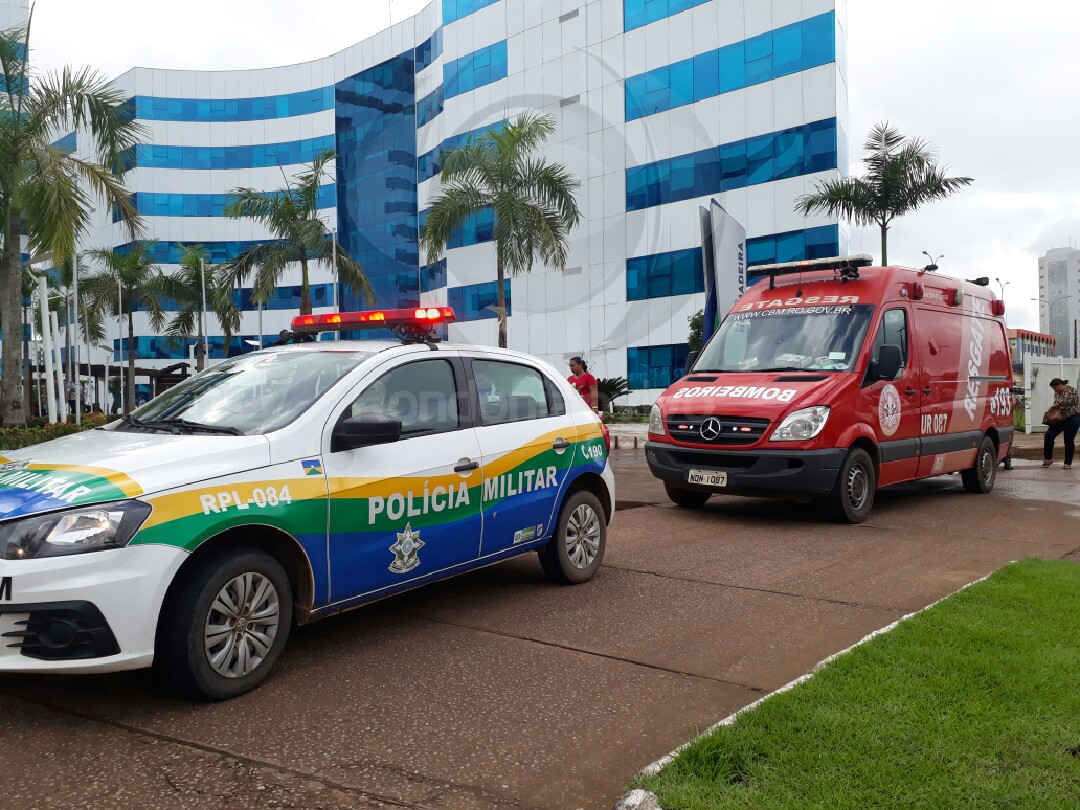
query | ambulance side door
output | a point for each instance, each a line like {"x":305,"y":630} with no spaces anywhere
{"x":407,"y":509}
{"x":896,"y":405}
{"x":527,"y":442}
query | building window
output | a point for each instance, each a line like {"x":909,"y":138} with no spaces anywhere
{"x":165,"y":156}
{"x":429,"y":51}
{"x":471,"y":302}
{"x":661,"y":274}
{"x":637,"y":13}
{"x":150,"y":204}
{"x":430,"y":163}
{"x":791,"y":49}
{"x":656,"y":366}
{"x":305,"y":102}
{"x":453,"y":10}
{"x":477,"y":69}
{"x":791,"y":152}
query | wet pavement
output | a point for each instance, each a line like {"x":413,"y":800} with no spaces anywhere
{"x":499,"y":690}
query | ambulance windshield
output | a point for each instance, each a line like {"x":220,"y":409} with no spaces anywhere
{"x":253,"y":394}
{"x":818,"y":338}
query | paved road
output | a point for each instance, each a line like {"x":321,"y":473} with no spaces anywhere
{"x":498,"y":690}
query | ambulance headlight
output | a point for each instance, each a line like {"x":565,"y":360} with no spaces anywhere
{"x":656,"y":421}
{"x":74,"y":531}
{"x":800,"y":425}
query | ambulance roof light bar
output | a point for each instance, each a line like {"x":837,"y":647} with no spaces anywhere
{"x":846,"y":267}
{"x":415,"y":325}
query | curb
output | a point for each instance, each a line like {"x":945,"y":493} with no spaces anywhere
{"x":639,"y":799}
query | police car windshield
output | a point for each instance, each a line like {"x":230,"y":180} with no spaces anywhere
{"x":818,"y":338}
{"x":256,"y":393}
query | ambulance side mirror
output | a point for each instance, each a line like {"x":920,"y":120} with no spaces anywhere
{"x":690,"y":360}
{"x":364,"y":431}
{"x":889,"y":361}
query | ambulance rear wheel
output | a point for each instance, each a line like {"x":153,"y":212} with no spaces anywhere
{"x":226,"y":626}
{"x":852,"y":497}
{"x":686,"y":498}
{"x":980,"y":478}
{"x":577,"y":548}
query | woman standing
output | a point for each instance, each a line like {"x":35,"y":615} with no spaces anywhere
{"x":1065,"y":400}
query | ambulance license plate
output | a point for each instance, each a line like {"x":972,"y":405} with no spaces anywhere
{"x":710,"y":478}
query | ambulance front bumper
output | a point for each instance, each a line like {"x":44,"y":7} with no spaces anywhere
{"x":92,"y":612}
{"x":750,"y":472}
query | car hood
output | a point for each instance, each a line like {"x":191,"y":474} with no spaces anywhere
{"x":104,"y":465}
{"x":765,"y":395}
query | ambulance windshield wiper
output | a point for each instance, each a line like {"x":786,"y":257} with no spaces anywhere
{"x":184,"y":423}
{"x":783,"y":368}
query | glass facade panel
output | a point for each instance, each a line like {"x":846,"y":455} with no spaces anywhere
{"x":655,"y":366}
{"x":376,"y":182}
{"x":157,"y":108}
{"x":471,"y":302}
{"x":170,"y":252}
{"x":150,"y":204}
{"x":791,"y":49}
{"x":167,"y":347}
{"x":164,"y":156}
{"x":478,"y":227}
{"x":787,"y":153}
{"x":477,"y":69}
{"x":433,"y":276}
{"x":637,"y":13}
{"x":429,"y":51}
{"x":453,"y":10}
{"x":429,"y":106}
{"x":680,"y":272}
{"x":68,"y":144}
{"x":430,"y":163}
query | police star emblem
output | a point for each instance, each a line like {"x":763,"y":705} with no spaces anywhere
{"x":406,"y":550}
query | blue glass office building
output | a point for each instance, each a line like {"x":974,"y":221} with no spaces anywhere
{"x":661,"y":105}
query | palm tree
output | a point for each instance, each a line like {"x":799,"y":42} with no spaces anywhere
{"x":186,"y":286}
{"x":46,"y":194}
{"x":533,"y":200}
{"x":902,"y":174}
{"x":139,"y":283}
{"x":291,"y":214}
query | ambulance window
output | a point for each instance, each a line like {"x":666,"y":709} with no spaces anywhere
{"x":510,"y":392}
{"x":422,"y":395}
{"x":893,"y":331}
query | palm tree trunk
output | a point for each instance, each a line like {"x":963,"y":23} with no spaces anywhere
{"x":501,"y":303}
{"x":11,"y":399}
{"x":884,"y":245}
{"x":305,"y":289}
{"x":129,"y":397}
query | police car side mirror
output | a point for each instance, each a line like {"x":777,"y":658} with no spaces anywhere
{"x":364,"y":431}
{"x":889,"y":361}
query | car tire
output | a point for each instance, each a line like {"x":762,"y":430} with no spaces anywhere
{"x":686,"y":498}
{"x":196,"y":662}
{"x":577,"y":548}
{"x":981,"y":476}
{"x":852,"y":496}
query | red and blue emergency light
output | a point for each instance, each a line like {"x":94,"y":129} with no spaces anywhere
{"x":420,"y":319}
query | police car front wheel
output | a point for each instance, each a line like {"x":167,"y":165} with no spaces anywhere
{"x":226,"y":627}
{"x":577,"y":548}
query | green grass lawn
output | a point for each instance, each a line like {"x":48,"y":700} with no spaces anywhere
{"x":974,"y":703}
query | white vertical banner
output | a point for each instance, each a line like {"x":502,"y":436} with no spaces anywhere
{"x":729,"y":258}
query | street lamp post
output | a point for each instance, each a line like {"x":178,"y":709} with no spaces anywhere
{"x":1002,"y":285}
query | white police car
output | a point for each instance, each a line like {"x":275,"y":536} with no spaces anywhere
{"x":286,"y":485}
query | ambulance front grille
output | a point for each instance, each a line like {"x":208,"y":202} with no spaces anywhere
{"x":726,"y":430}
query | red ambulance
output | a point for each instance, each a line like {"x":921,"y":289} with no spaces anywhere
{"x":831,"y":378}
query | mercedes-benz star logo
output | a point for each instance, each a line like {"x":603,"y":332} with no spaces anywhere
{"x":710,"y":429}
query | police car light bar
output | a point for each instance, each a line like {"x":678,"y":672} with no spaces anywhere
{"x":419,"y":320}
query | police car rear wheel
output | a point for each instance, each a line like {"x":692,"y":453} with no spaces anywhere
{"x":686,"y":498}
{"x":852,"y":497}
{"x":983,"y":473}
{"x":577,"y":549}
{"x":226,"y":627}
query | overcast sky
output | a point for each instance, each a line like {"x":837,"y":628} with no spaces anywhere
{"x":991,"y":83}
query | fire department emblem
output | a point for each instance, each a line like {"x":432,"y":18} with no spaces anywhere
{"x":406,"y":551}
{"x":889,"y":407}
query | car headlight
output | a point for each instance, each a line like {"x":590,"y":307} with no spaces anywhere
{"x":73,"y":531}
{"x":800,"y":425}
{"x":656,"y":421}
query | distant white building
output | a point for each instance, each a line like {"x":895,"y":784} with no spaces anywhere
{"x":661,"y":105}
{"x":1059,"y":298}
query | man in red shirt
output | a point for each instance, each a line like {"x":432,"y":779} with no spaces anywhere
{"x":583,"y":381}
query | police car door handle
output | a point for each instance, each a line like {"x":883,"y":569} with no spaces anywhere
{"x":466,"y":465}
{"x":560,"y":444}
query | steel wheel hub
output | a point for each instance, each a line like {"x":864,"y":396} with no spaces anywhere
{"x":583,"y":536}
{"x":241,"y":625}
